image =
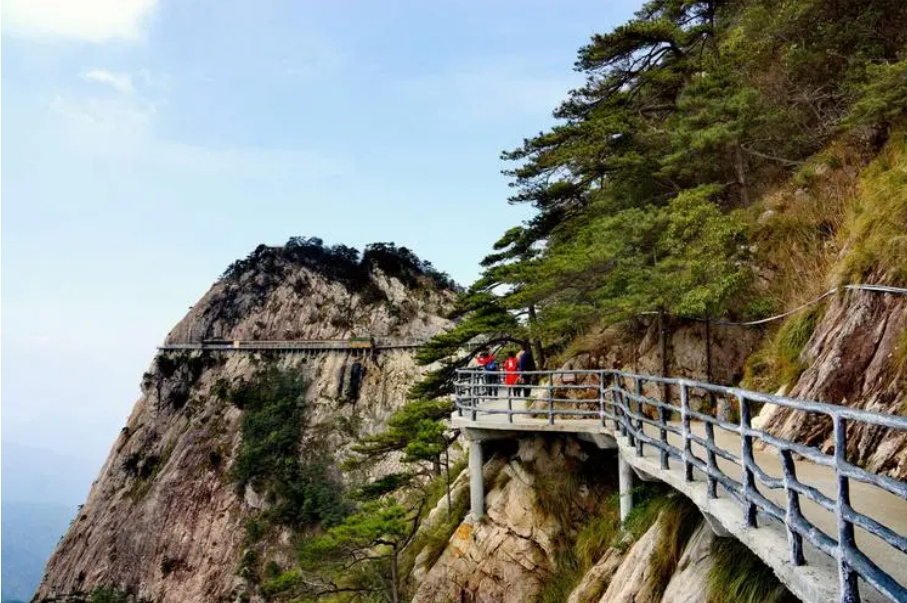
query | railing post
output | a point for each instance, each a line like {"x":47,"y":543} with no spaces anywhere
{"x":458,"y":394}
{"x":550,"y":399}
{"x":793,"y":514}
{"x":474,"y":400}
{"x":663,"y":433}
{"x":509,"y":406}
{"x":746,"y":462}
{"x":711,"y":461}
{"x":847,"y":577}
{"x":628,"y":416}
{"x":625,"y":486}
{"x":685,"y":424}
{"x":601,"y":397}
{"x":637,"y":387}
{"x":476,"y":480}
{"x":619,"y":411}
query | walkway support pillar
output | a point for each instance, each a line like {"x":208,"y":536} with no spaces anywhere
{"x":476,"y":481}
{"x":625,"y":483}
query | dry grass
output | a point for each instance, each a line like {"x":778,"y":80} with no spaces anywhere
{"x":738,"y":576}
{"x":778,"y":361}
{"x":679,"y":519}
{"x":796,"y":244}
{"x":875,"y":226}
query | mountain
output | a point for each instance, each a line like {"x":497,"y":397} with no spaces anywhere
{"x":203,"y":480}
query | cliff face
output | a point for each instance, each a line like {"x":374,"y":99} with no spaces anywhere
{"x":851,"y":359}
{"x":551,"y":533}
{"x":165,"y":519}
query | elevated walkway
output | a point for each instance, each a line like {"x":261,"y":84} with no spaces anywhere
{"x":336,"y":345}
{"x":830,"y":530}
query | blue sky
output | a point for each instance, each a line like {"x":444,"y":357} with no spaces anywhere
{"x":149,"y":143}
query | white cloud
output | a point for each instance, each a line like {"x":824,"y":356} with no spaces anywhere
{"x":121,"y":82}
{"x":91,"y":20}
{"x":122,"y":128}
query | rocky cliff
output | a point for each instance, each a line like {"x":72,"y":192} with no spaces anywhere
{"x":165,"y":519}
{"x":551,"y":533}
{"x":854,"y":358}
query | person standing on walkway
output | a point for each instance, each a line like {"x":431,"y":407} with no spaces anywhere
{"x":526,"y":363}
{"x":510,"y":371}
{"x":486,"y":360}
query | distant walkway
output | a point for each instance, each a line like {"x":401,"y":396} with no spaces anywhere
{"x":326,"y":345}
{"x":830,"y":530}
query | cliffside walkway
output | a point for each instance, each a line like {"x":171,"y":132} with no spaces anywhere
{"x":326,"y":345}
{"x":830,"y":530}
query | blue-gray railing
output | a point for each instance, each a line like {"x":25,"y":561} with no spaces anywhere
{"x":624,"y":398}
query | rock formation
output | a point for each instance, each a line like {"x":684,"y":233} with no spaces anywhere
{"x":164,"y":519}
{"x":851,"y":359}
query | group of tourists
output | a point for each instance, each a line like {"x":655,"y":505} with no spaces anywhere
{"x":517,"y":373}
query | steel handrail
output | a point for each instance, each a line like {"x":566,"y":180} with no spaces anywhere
{"x":621,"y":401}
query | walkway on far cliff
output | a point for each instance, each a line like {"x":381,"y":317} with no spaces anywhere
{"x":830,"y":530}
{"x":324,"y":345}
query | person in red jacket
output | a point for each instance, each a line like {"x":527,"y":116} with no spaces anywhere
{"x":511,"y":370}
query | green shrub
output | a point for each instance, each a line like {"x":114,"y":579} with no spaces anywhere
{"x":679,"y":520}
{"x":568,"y":571}
{"x":778,"y":362}
{"x":739,"y":576}
{"x":875,"y":226}
{"x":599,"y":534}
{"x":271,"y":458}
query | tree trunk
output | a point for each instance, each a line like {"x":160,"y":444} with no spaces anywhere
{"x":447,"y":479}
{"x":535,"y":342}
{"x":740,"y":168}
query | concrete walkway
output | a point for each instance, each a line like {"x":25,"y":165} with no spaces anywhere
{"x":816,"y":582}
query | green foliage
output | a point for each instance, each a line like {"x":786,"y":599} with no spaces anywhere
{"x":566,"y":575}
{"x":271,"y":457}
{"x":882,"y":96}
{"x":739,"y":576}
{"x":429,"y":542}
{"x":415,"y":430}
{"x":687,"y":258}
{"x":377,"y":532}
{"x":778,"y":362}
{"x":679,"y":519}
{"x":378,"y":523}
{"x":601,"y":532}
{"x":876,"y":224}
{"x":144,"y":469}
{"x":690,"y":111}
{"x":270,"y":267}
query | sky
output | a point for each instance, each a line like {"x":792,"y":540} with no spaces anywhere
{"x":149,"y":143}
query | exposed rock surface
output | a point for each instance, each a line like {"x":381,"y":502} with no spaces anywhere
{"x":689,"y":584}
{"x":597,"y":579}
{"x":637,"y":349}
{"x":632,"y":582}
{"x":508,"y":556}
{"x":851,"y":361}
{"x":163,"y":518}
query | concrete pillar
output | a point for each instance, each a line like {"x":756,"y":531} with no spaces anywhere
{"x":625,"y":482}
{"x":476,"y":482}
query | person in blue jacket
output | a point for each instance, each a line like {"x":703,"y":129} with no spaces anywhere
{"x":526,"y":363}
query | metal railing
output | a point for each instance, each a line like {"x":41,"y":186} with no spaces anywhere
{"x":626,"y":402}
{"x":288,"y":345}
